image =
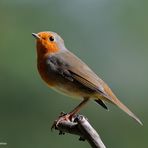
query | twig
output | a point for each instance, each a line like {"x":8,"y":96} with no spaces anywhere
{"x":80,"y":126}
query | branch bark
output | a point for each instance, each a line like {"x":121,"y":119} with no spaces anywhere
{"x":81,"y":127}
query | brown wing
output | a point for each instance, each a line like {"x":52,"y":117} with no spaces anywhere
{"x":81,"y":72}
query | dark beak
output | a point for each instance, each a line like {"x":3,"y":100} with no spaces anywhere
{"x":36,"y":35}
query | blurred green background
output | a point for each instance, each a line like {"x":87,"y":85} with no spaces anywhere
{"x":111,"y":36}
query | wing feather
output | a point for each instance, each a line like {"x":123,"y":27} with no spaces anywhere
{"x":72,"y":68}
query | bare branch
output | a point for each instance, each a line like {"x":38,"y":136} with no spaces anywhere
{"x":81,"y":127}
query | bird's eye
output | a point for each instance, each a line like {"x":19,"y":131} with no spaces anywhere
{"x":51,"y":38}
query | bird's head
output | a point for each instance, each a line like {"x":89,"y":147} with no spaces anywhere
{"x":48,"y":42}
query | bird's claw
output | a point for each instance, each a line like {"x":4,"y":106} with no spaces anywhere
{"x":63,"y":117}
{"x":62,"y":114}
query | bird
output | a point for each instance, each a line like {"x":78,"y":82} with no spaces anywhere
{"x":64,"y":72}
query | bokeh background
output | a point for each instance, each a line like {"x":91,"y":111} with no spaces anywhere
{"x":111,"y":36}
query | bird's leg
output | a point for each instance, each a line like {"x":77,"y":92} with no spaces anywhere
{"x":69,"y":116}
{"x":77,"y":108}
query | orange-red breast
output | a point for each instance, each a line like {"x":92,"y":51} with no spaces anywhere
{"x":65,"y":72}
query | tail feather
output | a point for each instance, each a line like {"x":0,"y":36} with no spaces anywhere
{"x":109,"y":96}
{"x":125,"y":109}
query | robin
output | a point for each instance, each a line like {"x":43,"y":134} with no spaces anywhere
{"x":65,"y":72}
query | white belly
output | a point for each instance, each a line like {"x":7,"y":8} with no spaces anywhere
{"x":73,"y":92}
